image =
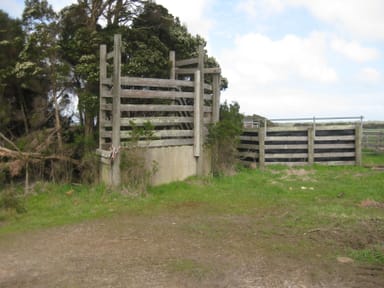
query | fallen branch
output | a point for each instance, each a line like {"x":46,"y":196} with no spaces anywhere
{"x":30,"y":156}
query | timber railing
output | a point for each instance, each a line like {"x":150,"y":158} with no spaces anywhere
{"x":301,"y":144}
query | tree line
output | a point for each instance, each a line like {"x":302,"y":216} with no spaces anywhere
{"x":49,"y":78}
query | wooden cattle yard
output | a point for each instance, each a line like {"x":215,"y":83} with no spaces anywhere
{"x":177,"y":109}
{"x":302,"y":144}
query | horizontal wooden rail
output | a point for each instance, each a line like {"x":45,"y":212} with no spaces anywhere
{"x":187,"y":62}
{"x":152,"y":82}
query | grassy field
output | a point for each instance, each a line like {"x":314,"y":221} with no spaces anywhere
{"x":330,"y":210}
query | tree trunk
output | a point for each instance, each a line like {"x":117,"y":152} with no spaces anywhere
{"x":56,"y":105}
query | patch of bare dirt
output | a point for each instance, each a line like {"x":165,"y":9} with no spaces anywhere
{"x":369,"y":203}
{"x":178,"y":249}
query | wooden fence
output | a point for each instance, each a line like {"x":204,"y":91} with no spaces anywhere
{"x":301,"y":145}
{"x":373,"y":139}
{"x":177,"y":109}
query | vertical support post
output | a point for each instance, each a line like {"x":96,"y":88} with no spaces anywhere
{"x":358,"y":140}
{"x":216,"y":98}
{"x":116,"y":78}
{"x":311,"y":145}
{"x":172,"y":59}
{"x":103,"y":75}
{"x":262,"y":136}
{"x":196,"y":119}
{"x":200,"y":160}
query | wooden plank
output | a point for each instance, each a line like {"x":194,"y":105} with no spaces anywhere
{"x":287,"y":163}
{"x":249,"y":138}
{"x":334,"y":154}
{"x":191,"y":71}
{"x":216,"y":98}
{"x":285,"y":146}
{"x":186,"y":62}
{"x":358,"y":144}
{"x":335,"y":163}
{"x":336,"y":138}
{"x":320,"y":127}
{"x":199,"y":104}
{"x":150,"y":108}
{"x":214,"y":70}
{"x":287,"y":129}
{"x":162,"y":143}
{"x":153,"y":82}
{"x":262,"y":133}
{"x":157,"y":121}
{"x":311,"y":145}
{"x":289,"y":155}
{"x":156,"y":134}
{"x":196,"y":120}
{"x":155,"y":94}
{"x":103,"y":90}
{"x":286,"y":138}
{"x":335,"y":146}
{"x":116,"y":121}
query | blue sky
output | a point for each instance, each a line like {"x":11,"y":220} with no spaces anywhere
{"x":289,"y":58}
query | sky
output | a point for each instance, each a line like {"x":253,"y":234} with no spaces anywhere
{"x":288,"y":58}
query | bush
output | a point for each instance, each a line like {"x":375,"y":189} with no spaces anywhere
{"x":223,"y":139}
{"x":10,"y":199}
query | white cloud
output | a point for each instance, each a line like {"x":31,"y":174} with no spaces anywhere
{"x":262,"y":8}
{"x":354,"y":51}
{"x":369,"y":75}
{"x":192,"y":13}
{"x":259,"y":60}
{"x":363,"y":19}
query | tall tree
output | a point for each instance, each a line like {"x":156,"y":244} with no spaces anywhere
{"x":43,"y":51}
{"x":85,"y":26}
{"x":11,"y":42}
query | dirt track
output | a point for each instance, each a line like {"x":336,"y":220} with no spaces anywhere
{"x":174,"y":250}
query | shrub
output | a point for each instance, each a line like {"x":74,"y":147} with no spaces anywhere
{"x":10,"y":199}
{"x":223,"y":139}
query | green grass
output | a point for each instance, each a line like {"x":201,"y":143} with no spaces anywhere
{"x":372,"y":157}
{"x":291,"y":210}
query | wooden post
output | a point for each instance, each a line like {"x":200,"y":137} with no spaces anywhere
{"x":200,"y":159}
{"x":358,"y":138}
{"x":103,"y":75}
{"x":116,"y":78}
{"x":196,"y":119}
{"x":172,"y":59}
{"x":216,"y":98}
{"x":311,"y":145}
{"x":262,"y":136}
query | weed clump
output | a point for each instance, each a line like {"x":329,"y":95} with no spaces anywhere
{"x":12,"y":201}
